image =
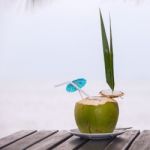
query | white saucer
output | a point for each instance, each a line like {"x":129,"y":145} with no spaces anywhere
{"x":115,"y":133}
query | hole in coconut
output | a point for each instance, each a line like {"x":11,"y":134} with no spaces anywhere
{"x":94,"y":98}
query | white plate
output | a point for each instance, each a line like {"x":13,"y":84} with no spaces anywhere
{"x":115,"y":133}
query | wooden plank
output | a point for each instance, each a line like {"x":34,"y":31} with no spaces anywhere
{"x":14,"y":137}
{"x":142,"y":142}
{"x":123,"y":141}
{"x":95,"y":145}
{"x":72,"y":143}
{"x":51,"y":141}
{"x":29,"y":140}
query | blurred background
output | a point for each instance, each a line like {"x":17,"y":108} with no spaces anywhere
{"x":46,"y":42}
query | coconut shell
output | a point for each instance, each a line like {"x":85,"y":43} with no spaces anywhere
{"x":96,"y":116}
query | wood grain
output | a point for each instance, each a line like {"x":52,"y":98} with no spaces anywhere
{"x":123,"y":141}
{"x":142,"y":142}
{"x":15,"y":137}
{"x":72,"y":143}
{"x":51,"y":141}
{"x":63,"y":140}
{"x":95,"y":145}
{"x":29,"y":140}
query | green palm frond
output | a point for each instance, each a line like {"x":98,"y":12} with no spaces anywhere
{"x":108,"y":54}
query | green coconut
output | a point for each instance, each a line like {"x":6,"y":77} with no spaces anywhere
{"x":96,"y":114}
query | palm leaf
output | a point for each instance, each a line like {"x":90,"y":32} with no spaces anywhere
{"x":111,"y":60}
{"x":108,"y":54}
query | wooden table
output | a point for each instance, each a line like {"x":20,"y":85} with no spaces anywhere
{"x":62,"y":140}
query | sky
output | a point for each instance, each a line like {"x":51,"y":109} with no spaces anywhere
{"x":62,"y":40}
